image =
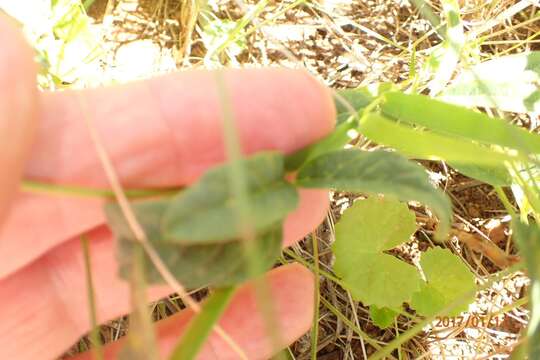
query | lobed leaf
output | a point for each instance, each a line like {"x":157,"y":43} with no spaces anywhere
{"x":375,"y":224}
{"x":447,"y":280}
{"x":376,"y":278}
{"x":366,"y":229}
{"x":377,"y":172}
{"x":382,"y":317}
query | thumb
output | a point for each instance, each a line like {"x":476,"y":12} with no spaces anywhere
{"x":18,"y":107}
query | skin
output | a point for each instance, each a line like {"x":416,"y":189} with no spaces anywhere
{"x":161,"y":132}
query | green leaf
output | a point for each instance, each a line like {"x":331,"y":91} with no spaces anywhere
{"x":528,"y":241}
{"x":449,"y":119}
{"x":207,"y":211}
{"x":493,"y":175}
{"x":336,"y":140}
{"x":372,"y":277}
{"x":377,"y":279}
{"x":429,"y":145}
{"x":428,"y":301}
{"x":448,"y":280}
{"x":377,"y":172}
{"x":193,"y":264}
{"x":197,"y":234}
{"x":509,"y":83}
{"x":357,"y":98}
{"x":201,"y":326}
{"x":382,"y":317}
{"x":376,"y":224}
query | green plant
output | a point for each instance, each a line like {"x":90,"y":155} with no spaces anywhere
{"x":420,"y":127}
{"x":417,"y":126}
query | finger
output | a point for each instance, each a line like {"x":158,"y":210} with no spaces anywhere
{"x":52,"y":290}
{"x":44,"y":307}
{"x":32,"y":241}
{"x":292,"y":297}
{"x":160,"y":132}
{"x":174,"y":124}
{"x":18,"y":105}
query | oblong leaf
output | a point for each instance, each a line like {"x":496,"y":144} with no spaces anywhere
{"x":458,"y":121}
{"x":493,"y":175}
{"x":428,"y":145}
{"x":208,"y":211}
{"x":377,"y":172}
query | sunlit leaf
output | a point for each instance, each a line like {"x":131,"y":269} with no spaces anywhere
{"x":444,"y":60}
{"x":379,"y":279}
{"x":448,"y":281}
{"x":364,"y":231}
{"x":460,"y":122}
{"x":377,"y":172}
{"x":428,"y":145}
{"x":510,"y":83}
{"x":375,"y":224}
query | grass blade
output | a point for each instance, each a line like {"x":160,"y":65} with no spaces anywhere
{"x":95,"y":338}
{"x":201,"y":326}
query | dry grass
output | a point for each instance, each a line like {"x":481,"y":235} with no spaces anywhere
{"x":346,"y":44}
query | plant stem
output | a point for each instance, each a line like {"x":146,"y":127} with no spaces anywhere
{"x":39,"y":187}
{"x":317,"y":296}
{"x":97,"y":348}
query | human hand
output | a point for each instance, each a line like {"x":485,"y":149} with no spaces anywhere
{"x":160,"y":132}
